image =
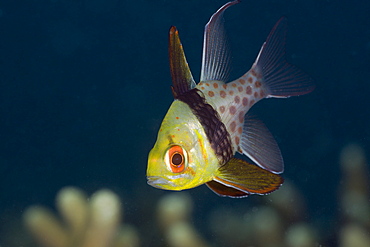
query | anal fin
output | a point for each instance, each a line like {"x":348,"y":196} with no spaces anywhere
{"x":247,"y":178}
{"x":223,"y":190}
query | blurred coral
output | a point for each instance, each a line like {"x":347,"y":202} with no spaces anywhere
{"x":268,"y":225}
{"x":85,"y":222}
{"x":355,"y":185}
{"x":354,"y":235}
{"x":280,"y":219}
{"x":354,"y":197}
{"x":174,"y":212}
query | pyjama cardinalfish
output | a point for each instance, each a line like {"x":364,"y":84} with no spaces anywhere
{"x":209,"y":122}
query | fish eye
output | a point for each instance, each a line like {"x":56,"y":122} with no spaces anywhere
{"x":176,"y":159}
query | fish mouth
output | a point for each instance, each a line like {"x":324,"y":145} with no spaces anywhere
{"x":173,"y":182}
{"x":159,"y":182}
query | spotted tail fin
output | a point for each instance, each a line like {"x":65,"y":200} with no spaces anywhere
{"x":280,"y":78}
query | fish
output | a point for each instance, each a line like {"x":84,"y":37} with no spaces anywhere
{"x":209,"y":122}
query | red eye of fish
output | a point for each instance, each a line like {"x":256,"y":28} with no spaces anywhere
{"x":176,"y":159}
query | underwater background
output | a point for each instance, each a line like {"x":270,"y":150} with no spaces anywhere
{"x":84,"y":86}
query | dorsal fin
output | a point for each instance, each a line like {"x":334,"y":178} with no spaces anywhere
{"x":216,"y":55}
{"x":182,"y":79}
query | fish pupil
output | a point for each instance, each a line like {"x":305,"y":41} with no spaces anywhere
{"x":176,"y":159}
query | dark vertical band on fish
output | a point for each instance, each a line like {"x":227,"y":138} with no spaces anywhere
{"x":215,"y":130}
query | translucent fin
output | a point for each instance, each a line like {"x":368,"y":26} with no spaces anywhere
{"x":251,"y":179}
{"x":216,"y":55}
{"x":281,"y":78}
{"x":223,"y":190}
{"x":260,"y":146}
{"x":182,"y":79}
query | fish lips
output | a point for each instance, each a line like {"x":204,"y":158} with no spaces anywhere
{"x":165,"y":183}
{"x":159,"y":182}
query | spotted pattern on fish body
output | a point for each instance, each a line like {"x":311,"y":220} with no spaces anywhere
{"x":209,"y":122}
{"x":233,"y":100}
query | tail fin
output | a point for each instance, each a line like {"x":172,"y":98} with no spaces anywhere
{"x":281,"y":78}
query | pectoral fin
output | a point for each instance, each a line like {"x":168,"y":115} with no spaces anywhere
{"x":239,"y":176}
{"x":260,"y":146}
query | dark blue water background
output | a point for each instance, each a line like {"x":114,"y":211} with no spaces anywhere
{"x":84,"y":86}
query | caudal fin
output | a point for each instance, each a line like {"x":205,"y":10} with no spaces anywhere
{"x":281,"y":78}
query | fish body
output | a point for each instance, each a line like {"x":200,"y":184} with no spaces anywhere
{"x":209,"y":122}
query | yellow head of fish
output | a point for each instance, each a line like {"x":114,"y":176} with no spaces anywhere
{"x":181,"y":157}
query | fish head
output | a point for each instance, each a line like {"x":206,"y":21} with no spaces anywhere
{"x":182,"y":157}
